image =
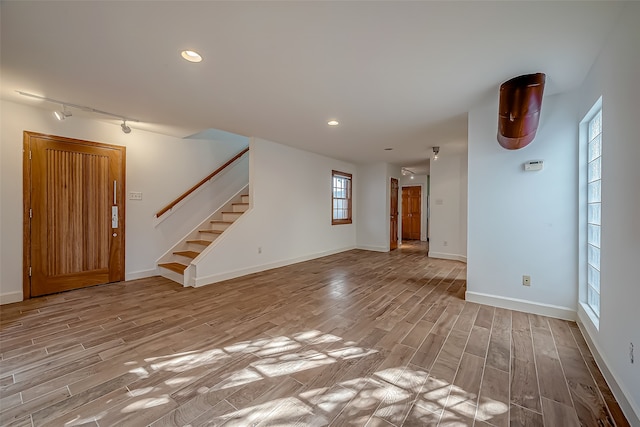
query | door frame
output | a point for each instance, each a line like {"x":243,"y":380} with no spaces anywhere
{"x":26,"y":200}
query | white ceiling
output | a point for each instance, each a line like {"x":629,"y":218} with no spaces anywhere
{"x":395,"y":74}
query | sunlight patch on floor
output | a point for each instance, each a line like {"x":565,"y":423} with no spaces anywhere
{"x":146,"y":403}
{"x":184,"y":362}
{"x":388,"y":393}
{"x":292,"y":363}
{"x":289,"y":408}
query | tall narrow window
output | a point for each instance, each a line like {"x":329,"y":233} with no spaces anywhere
{"x":341,"y":198}
{"x":594,"y":209}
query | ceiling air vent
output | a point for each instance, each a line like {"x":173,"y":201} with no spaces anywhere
{"x":519,"y":112}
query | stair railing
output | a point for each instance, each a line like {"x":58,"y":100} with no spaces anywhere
{"x":199,"y":184}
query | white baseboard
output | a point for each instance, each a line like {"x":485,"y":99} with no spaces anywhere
{"x":219,"y":277}
{"x":134,"y":275}
{"x":373,"y":248}
{"x":10,"y":297}
{"x":559,"y":312}
{"x":631,"y":411}
{"x":442,"y":255}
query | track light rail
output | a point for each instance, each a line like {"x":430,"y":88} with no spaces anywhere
{"x":78,"y":107}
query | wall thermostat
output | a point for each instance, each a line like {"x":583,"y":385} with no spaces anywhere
{"x":533,"y":165}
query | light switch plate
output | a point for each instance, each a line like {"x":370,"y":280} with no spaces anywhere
{"x":135,"y":195}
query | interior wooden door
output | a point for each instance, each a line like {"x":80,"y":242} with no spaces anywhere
{"x":394,"y":214}
{"x":74,"y":214}
{"x":411,"y":212}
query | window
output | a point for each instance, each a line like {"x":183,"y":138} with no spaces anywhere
{"x":594,"y":209}
{"x":341,"y":198}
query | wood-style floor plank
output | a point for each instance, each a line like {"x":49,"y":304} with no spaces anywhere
{"x":358,"y":338}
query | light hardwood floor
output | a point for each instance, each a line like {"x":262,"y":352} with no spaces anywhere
{"x":359,"y":338}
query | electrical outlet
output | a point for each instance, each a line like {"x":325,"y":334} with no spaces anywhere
{"x":135,"y":195}
{"x":445,"y":243}
{"x":631,"y":352}
{"x":259,"y":249}
{"x":526,"y":280}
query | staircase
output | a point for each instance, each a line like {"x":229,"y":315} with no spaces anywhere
{"x":173,"y":264}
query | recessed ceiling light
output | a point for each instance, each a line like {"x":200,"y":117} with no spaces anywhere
{"x":388,"y":149}
{"x":333,"y":123}
{"x":191,"y":56}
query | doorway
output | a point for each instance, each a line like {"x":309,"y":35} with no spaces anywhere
{"x":393,"y":243}
{"x":73,"y":214}
{"x":411,"y":212}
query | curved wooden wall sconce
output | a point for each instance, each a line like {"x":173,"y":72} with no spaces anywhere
{"x":519,"y":111}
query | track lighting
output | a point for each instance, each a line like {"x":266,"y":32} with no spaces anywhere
{"x":406,"y":172}
{"x":436,"y":150}
{"x":64,"y":113}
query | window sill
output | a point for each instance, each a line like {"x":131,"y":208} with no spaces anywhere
{"x":591,"y":315}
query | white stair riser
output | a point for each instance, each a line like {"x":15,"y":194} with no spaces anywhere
{"x":245,"y":199}
{"x":182,"y":259}
{"x":231,"y":216}
{"x":171,"y":275}
{"x":195,"y":247}
{"x":240,"y":208}
{"x":221,"y":226}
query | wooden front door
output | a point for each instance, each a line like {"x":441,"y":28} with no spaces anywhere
{"x":411,"y":212}
{"x":74,"y":214}
{"x":394,"y":214}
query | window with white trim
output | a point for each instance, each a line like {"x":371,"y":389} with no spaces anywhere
{"x":341,"y":198}
{"x":594,"y":209}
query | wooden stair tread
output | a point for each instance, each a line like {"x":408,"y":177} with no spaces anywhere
{"x":174,"y":266}
{"x":211,"y":231}
{"x":189,"y":254}
{"x":217,"y":221}
{"x":200,"y":242}
{"x":235,"y":204}
{"x":231,"y":212}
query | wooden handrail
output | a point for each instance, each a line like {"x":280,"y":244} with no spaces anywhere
{"x":195,"y":187}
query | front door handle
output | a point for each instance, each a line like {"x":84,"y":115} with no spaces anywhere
{"x":114,"y":217}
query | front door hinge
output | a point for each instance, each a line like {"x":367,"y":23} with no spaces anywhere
{"x":29,"y":271}
{"x":29,"y":154}
{"x":30,"y":213}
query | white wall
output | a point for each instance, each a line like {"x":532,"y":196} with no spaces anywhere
{"x":614,"y":76}
{"x":528,"y":223}
{"x":290,"y":215}
{"x":372,"y":194}
{"x":422,"y":182}
{"x":159,"y":166}
{"x":448,"y":205}
{"x":523,"y":223}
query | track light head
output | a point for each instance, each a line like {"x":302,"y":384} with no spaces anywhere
{"x":409,"y":172}
{"x":125,"y":128}
{"x":62,"y":114}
